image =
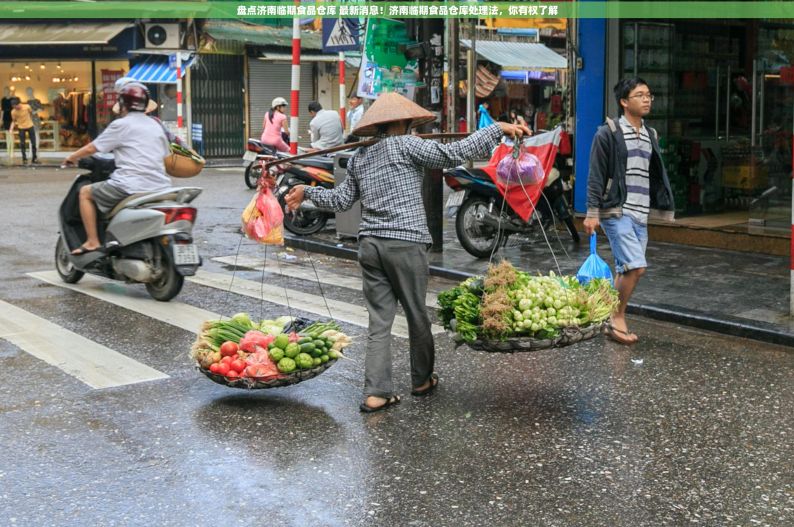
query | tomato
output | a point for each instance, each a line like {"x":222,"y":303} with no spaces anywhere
{"x":214,"y":367}
{"x":223,"y":368}
{"x":229,"y":348}
{"x":294,"y":337}
{"x":238,"y":365}
{"x":227,"y":360}
{"x":232,"y":375}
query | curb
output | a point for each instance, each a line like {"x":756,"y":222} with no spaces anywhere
{"x":725,"y":324}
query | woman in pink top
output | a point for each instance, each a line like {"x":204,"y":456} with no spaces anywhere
{"x":274,"y":124}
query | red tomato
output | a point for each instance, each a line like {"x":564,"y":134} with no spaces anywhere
{"x":214,"y":367}
{"x":227,"y":360}
{"x":228,"y":348}
{"x":294,"y":337}
{"x":223,"y":368}
{"x":238,"y":365}
{"x":232,"y":375}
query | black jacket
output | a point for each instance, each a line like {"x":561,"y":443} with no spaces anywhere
{"x":606,"y":182}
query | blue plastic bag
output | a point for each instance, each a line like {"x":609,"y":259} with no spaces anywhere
{"x":485,"y":118}
{"x":594,"y":266}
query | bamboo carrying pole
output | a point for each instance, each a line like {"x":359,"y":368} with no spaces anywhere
{"x":350,"y":146}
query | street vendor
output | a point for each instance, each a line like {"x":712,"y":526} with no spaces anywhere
{"x":393,"y":236}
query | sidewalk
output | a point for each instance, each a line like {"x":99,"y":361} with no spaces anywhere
{"x":740,"y":294}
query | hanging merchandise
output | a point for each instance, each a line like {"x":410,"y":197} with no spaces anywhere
{"x":594,"y":267}
{"x":512,"y":311}
{"x":263,"y":218}
{"x":485,"y":118}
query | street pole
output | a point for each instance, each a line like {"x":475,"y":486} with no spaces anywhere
{"x":452,"y":75}
{"x":471,"y":62}
{"x":179,"y":122}
{"x":342,"y":87}
{"x":296,"y":84}
{"x":791,"y":266}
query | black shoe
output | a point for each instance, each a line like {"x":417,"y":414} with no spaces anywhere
{"x":35,"y":161}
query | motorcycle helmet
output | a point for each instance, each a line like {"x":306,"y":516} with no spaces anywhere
{"x":278,"y":101}
{"x":134,"y":96}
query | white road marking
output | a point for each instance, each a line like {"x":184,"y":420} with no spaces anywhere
{"x":229,"y":169}
{"x":343,"y":311}
{"x":298,"y":271}
{"x":84,"y":359}
{"x":177,"y":314}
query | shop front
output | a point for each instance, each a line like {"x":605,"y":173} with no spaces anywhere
{"x":724,"y":110}
{"x":66,"y":72}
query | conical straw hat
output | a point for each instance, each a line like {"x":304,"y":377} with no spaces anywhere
{"x":391,"y":107}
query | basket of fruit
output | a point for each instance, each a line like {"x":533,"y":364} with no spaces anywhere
{"x":241,"y":354}
{"x":510,"y":311}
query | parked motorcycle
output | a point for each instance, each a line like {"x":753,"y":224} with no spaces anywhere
{"x":312,"y":171}
{"x":147,"y":238}
{"x":255,"y":151}
{"x":485,"y":220}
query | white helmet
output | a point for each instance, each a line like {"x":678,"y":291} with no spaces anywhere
{"x":121,"y":81}
{"x":278,"y":101}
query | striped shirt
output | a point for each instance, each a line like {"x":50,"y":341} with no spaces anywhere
{"x":638,"y":165}
{"x":387,"y":178}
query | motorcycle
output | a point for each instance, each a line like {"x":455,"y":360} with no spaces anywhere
{"x":255,"y":151}
{"x":485,"y":220}
{"x":147,"y":238}
{"x":313,"y":171}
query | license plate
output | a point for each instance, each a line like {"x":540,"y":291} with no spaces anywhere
{"x":249,"y":156}
{"x":186,"y":254}
{"x":455,"y":199}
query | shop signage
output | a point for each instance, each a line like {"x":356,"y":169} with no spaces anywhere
{"x":384,"y":66}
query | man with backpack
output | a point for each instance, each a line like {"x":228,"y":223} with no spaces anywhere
{"x":627,"y":185}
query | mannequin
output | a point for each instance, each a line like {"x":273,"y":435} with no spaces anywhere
{"x":5,"y":106}
{"x":36,"y":106}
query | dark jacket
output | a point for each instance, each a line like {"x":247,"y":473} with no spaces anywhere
{"x":606,"y":182}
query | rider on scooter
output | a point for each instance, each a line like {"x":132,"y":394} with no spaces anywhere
{"x":139,"y":145}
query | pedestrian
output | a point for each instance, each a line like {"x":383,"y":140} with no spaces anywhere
{"x":139,"y":143}
{"x":325,"y":126}
{"x":356,"y":104}
{"x":393,"y":236}
{"x":627,"y":185}
{"x":22,"y":119}
{"x":517,"y":118}
{"x":275,"y":131}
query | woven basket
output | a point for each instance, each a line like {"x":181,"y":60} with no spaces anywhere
{"x":181,"y":166}
{"x":286,"y":379}
{"x":567,"y":336}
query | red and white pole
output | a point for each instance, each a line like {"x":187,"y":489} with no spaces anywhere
{"x":296,"y":84}
{"x":791,"y":250}
{"x":179,"y":95}
{"x":342,"y":87}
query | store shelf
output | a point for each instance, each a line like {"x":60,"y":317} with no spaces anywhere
{"x":49,"y":137}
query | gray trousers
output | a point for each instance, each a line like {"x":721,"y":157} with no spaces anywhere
{"x":395,"y":270}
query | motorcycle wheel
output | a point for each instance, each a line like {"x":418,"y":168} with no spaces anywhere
{"x":476,"y":237}
{"x":66,"y":270}
{"x":301,"y":222}
{"x":252,"y":173}
{"x":170,"y":282}
{"x":572,"y":229}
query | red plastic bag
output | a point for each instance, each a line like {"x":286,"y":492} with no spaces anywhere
{"x":263,"y":218}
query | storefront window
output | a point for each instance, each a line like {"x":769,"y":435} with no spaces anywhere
{"x":107,"y":73}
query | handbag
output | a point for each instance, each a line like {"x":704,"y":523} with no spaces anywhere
{"x":183,"y":162}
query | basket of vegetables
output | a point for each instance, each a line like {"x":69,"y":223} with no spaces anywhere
{"x":183,"y":162}
{"x":242,"y":354}
{"x":511,"y":311}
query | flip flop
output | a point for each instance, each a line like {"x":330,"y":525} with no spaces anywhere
{"x":621,"y":337}
{"x":391,"y":401}
{"x":427,"y":391}
{"x":80,"y":251}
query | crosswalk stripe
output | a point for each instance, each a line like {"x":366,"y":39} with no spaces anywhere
{"x":177,"y":314}
{"x":343,"y":311}
{"x":84,"y":359}
{"x":297,"y":271}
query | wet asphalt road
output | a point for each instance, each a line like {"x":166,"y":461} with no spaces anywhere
{"x":685,"y":428}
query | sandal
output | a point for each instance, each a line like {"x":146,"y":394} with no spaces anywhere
{"x":391,"y":401}
{"x":621,"y":337}
{"x":80,"y":251}
{"x":427,"y":391}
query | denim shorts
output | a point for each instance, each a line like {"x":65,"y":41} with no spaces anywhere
{"x":628,"y":239}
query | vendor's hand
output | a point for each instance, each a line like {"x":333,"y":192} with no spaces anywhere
{"x":590,"y":225}
{"x":294,"y":198}
{"x":516,"y":131}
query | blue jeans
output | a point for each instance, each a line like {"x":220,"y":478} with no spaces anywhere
{"x":628,"y":239}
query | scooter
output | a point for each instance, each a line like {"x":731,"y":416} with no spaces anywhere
{"x":255,"y":151}
{"x":317,"y":171}
{"x":147,"y":238}
{"x":485,"y":220}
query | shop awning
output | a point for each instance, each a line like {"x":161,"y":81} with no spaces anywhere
{"x":518,"y":55}
{"x":155,"y":70}
{"x":259,"y":35}
{"x":59,"y":34}
{"x":353,"y":62}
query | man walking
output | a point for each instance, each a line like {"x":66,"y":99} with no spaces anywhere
{"x":627,"y":185}
{"x":354,"y":115}
{"x":393,"y":236}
